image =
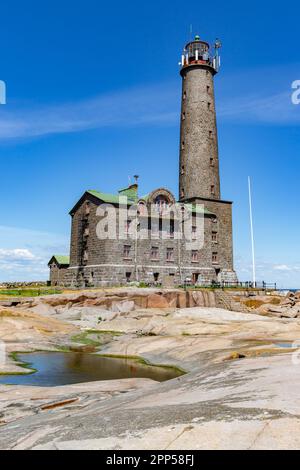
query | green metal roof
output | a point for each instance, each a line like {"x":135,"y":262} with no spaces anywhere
{"x":130,"y":192}
{"x":111,"y":198}
{"x":132,"y":198}
{"x":61,"y":259}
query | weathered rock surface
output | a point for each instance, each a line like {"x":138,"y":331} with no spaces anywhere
{"x":251,"y":402}
{"x":241,"y":405}
{"x":288,"y":307}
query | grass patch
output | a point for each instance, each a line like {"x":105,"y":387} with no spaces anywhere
{"x":110,"y":332}
{"x":94,"y":338}
{"x":83,"y":338}
{"x":29,"y":292}
{"x":24,"y":365}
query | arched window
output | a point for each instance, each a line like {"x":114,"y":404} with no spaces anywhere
{"x":142,"y":208}
{"x":161,"y":203}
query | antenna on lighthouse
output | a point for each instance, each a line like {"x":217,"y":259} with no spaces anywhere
{"x":217,"y":58}
{"x":252,"y":235}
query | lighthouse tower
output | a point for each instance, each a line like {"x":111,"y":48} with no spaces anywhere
{"x":199,"y":161}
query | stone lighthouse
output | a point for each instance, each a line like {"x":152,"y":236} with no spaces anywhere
{"x":199,"y":161}
{"x":199,"y":178}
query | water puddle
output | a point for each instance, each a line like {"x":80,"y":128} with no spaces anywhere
{"x":58,"y":368}
{"x":285,"y":344}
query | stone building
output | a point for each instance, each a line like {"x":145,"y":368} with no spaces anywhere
{"x":123,"y":237}
{"x":58,"y":265}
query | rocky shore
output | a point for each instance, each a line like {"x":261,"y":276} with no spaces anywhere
{"x":240,"y":390}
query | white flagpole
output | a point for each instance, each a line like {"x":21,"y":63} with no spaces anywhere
{"x":252,"y":236}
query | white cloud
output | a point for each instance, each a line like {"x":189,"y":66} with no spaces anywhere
{"x":28,"y":263}
{"x":285,"y":275}
{"x":282,"y":267}
{"x":274,"y":108}
{"x":17,"y":254}
{"x":156,"y":104}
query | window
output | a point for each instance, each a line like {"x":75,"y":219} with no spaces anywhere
{"x":126,"y":251}
{"x":183,"y":116}
{"x":182,"y":169}
{"x":210,"y":134}
{"x":171,"y":228}
{"x":128,"y":276}
{"x":212,"y":190}
{"x":86,"y":232}
{"x":215,"y":257}
{"x":127,"y":225}
{"x":211,"y":161}
{"x":182,"y":192}
{"x":87,"y":208}
{"x":170,"y":254}
{"x":194,"y":232}
{"x":184,"y":95}
{"x":208,"y":105}
{"x":142,"y":208}
{"x":161,"y":203}
{"x":194,"y":256}
{"x":208,"y":88}
{"x":214,"y":237}
{"x":182,"y":145}
{"x":85,"y":255}
{"x":154,"y":252}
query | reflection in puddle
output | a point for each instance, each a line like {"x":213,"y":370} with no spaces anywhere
{"x":67,"y":368}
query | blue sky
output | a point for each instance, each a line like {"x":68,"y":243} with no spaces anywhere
{"x":93,"y":95}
